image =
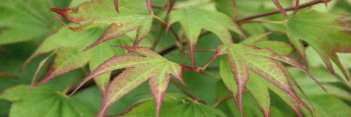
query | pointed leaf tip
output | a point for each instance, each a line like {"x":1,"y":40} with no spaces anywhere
{"x":179,"y":77}
{"x":63,"y":13}
{"x":115,"y":30}
{"x":158,"y":88}
{"x":116,"y":6}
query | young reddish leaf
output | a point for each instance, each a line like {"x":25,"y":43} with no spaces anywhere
{"x":264,"y":62}
{"x":138,"y":69}
{"x":130,"y":16}
{"x":193,"y":20}
{"x":323,"y":33}
{"x":280,"y":7}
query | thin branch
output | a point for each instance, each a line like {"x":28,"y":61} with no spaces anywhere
{"x":187,"y":92}
{"x":214,"y":57}
{"x":261,"y":21}
{"x":235,"y":7}
{"x":170,"y":49}
{"x":278,"y":11}
{"x":219,"y":102}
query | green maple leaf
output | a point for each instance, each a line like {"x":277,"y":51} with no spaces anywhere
{"x":322,"y":32}
{"x":259,"y":88}
{"x":24,"y":20}
{"x":132,"y":15}
{"x":244,"y":58}
{"x":193,"y":20}
{"x":43,"y":102}
{"x":152,"y":67}
{"x":185,"y":107}
{"x":67,"y":46}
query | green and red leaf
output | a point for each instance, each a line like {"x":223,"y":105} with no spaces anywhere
{"x":67,"y":47}
{"x":66,"y":60}
{"x":193,"y":20}
{"x":243,"y":59}
{"x":121,"y":16}
{"x":138,"y":69}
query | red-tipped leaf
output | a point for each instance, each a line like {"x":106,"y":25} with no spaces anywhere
{"x":263,"y":62}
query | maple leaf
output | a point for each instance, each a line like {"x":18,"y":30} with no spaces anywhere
{"x":280,"y":7}
{"x":258,"y":87}
{"x":321,"y":31}
{"x":131,"y":15}
{"x":152,"y":67}
{"x":193,"y":20}
{"x":67,"y":47}
{"x":185,"y":107}
{"x":24,"y":20}
{"x":244,"y":58}
{"x":44,"y":101}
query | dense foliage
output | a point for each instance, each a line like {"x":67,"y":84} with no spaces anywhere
{"x":175,"y":58}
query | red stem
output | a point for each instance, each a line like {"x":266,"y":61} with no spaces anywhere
{"x":149,"y":6}
{"x":116,"y":6}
